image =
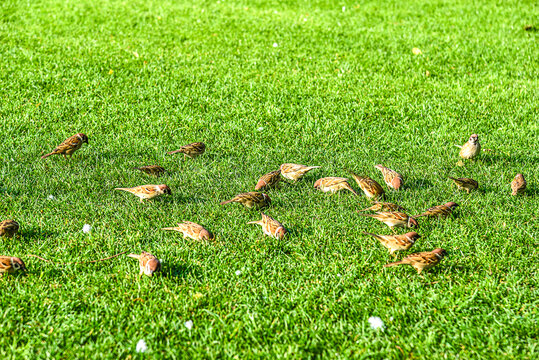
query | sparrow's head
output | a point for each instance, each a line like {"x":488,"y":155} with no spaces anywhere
{"x":281,"y":233}
{"x":165,"y":189}
{"x":267,"y":199}
{"x":205,"y":234}
{"x":440,"y":252}
{"x":260,"y":184}
{"x":519,"y":177}
{"x":451,"y":205}
{"x":474,"y":139}
{"x":83,"y":137}
{"x":413,"y":236}
{"x":379,"y":167}
{"x":152,"y":266}
{"x":412,"y":222}
{"x":18,"y":264}
{"x":317,"y":184}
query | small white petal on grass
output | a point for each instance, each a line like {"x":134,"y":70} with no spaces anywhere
{"x":141,"y":346}
{"x":51,"y":197}
{"x":86,"y":228}
{"x":416,"y":51}
{"x":343,"y":8}
{"x":376,"y":323}
{"x":189,"y":324}
{"x":391,"y":318}
{"x":238,"y":272}
{"x":275,"y":44}
{"x":135,"y":54}
{"x":338,"y":275}
{"x":260,"y":128}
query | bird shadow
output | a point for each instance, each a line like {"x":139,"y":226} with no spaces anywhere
{"x":34,"y":233}
{"x":180,"y":271}
{"x":417,"y":184}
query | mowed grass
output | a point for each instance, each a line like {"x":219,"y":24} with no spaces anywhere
{"x":340,"y":89}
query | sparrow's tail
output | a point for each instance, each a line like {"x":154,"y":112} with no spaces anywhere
{"x":47,"y":155}
{"x":226,"y":202}
{"x":134,"y":256}
{"x":371,"y":234}
{"x":352,"y":190}
{"x":367,"y":215}
{"x":395,"y":263}
{"x":309,"y":168}
{"x":123,"y":189}
{"x":171,"y":228}
{"x":258,"y":222}
{"x":459,"y":146}
{"x":174,"y":152}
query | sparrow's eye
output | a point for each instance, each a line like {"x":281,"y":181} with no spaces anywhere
{"x":16,"y":266}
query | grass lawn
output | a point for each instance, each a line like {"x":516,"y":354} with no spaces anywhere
{"x":262,"y":83}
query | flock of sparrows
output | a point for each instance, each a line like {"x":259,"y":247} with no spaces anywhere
{"x":390,"y":214}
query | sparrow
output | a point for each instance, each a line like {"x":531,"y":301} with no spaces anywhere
{"x":9,"y":228}
{"x":471,"y":149}
{"x":518,"y":185}
{"x":392,"y":178}
{"x":396,"y":242}
{"x":147,"y":191}
{"x":148,"y":263}
{"x":333,"y":184}
{"x":384,"y":206}
{"x":271,"y":227}
{"x":192,"y":230}
{"x":69,"y":146}
{"x":439,"y":210}
{"x":370,"y":187}
{"x":394,"y":219}
{"x":269,"y":180}
{"x":154,"y":170}
{"x":250,"y":199}
{"x":295,"y":172}
{"x":465,"y":183}
{"x":422,"y":260}
{"x":9,"y":264}
{"x":190,"y":150}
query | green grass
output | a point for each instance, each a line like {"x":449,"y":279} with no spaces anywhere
{"x":341,"y":90}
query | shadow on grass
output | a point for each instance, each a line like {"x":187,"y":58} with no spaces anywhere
{"x":417,"y":184}
{"x":181,"y":271}
{"x":34,"y":233}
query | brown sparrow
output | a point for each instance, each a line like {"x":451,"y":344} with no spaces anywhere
{"x":333,"y":184}
{"x":394,"y":219}
{"x":69,"y":146}
{"x":465,"y":183}
{"x":397,"y":242}
{"x":8,"y":228}
{"x":422,"y":260}
{"x":9,"y":264}
{"x":147,"y":191}
{"x":384,"y":206}
{"x":518,"y":185}
{"x":191,"y":150}
{"x":271,"y":227}
{"x":192,"y":230}
{"x":471,"y":149}
{"x":250,"y":199}
{"x":148,"y":263}
{"x":154,"y":170}
{"x":295,"y":172}
{"x":392,"y":178}
{"x":439,"y":210}
{"x":370,"y":187}
{"x":269,"y":180}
